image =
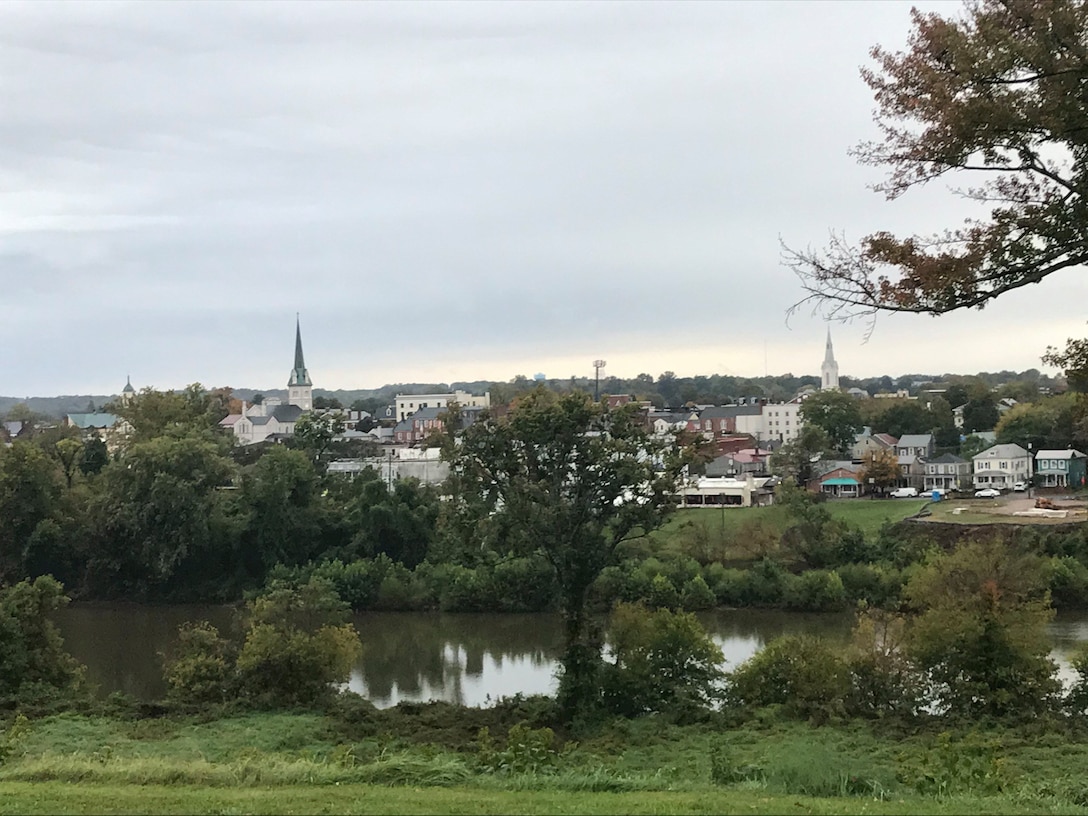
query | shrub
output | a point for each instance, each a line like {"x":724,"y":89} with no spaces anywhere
{"x":35,"y":669}
{"x":1067,"y":579}
{"x":696,"y":595}
{"x":980,"y":634}
{"x":765,"y":584}
{"x":200,"y":672}
{"x":883,"y":681}
{"x":815,"y":591}
{"x":730,"y":586}
{"x":662,"y":661}
{"x":527,"y":751}
{"x":296,"y":646}
{"x":801,"y":673}
{"x":873,"y":584}
{"x":663,"y":594}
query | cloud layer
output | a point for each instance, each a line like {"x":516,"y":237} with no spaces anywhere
{"x":448,"y":191}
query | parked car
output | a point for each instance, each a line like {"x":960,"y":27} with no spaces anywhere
{"x":940,"y":491}
{"x":1020,"y":487}
{"x":904,"y":493}
{"x":987,"y":493}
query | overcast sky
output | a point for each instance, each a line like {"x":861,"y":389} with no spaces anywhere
{"x":450,"y":191}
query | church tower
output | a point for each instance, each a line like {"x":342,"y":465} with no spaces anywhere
{"x":300,"y":390}
{"x":128,"y":392}
{"x":830,"y":369}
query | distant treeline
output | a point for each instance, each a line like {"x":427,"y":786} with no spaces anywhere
{"x":667,"y":389}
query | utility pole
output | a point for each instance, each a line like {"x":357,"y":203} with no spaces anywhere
{"x":597,"y":366}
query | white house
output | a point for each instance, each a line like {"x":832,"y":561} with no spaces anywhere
{"x":1001,"y":466}
{"x":408,"y":404}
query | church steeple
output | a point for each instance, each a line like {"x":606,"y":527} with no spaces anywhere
{"x":830,"y":369}
{"x":300,"y":389}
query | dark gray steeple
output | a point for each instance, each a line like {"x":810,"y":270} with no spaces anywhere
{"x":299,"y":375}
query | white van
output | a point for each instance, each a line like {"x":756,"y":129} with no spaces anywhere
{"x":904,"y":493}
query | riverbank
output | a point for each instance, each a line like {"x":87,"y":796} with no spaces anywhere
{"x":434,"y":759}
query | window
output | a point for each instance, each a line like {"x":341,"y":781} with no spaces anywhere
{"x":1061,"y":464}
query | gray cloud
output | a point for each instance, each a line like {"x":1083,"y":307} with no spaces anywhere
{"x":444,"y":191}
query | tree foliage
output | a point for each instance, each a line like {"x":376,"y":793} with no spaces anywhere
{"x":156,"y":508}
{"x":994,"y":95}
{"x":661,"y":661}
{"x":837,"y":413}
{"x":571,"y":479}
{"x":880,"y":469}
{"x":796,"y":460}
{"x":980,"y":630}
{"x":34,"y":667}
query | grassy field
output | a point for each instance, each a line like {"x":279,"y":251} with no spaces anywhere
{"x":748,"y":533}
{"x":30,"y":798}
{"x":417,"y":759}
{"x":868,"y":514}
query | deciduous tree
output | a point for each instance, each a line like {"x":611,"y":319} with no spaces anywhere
{"x":994,"y":96}
{"x":570,"y":479}
{"x":880,"y":469}
{"x":837,"y":413}
{"x":980,"y":631}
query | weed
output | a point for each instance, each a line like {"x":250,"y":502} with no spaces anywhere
{"x":971,"y":764}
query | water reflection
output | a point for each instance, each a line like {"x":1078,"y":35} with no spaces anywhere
{"x":413,"y":656}
{"x":467,"y":659}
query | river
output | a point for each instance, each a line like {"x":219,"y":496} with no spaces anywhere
{"x":471,"y":659}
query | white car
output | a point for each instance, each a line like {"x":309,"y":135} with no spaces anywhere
{"x":1020,"y":487}
{"x":987,"y":493}
{"x":904,"y":493}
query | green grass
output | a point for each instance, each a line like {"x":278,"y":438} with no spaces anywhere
{"x":868,"y":514}
{"x":310,"y":763}
{"x":744,"y":534}
{"x":28,"y":798}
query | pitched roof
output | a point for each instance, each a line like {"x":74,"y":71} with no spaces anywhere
{"x":948,"y":459}
{"x":1069,"y":453}
{"x":914,"y":441}
{"x":85,"y":421}
{"x":1006,"y":451}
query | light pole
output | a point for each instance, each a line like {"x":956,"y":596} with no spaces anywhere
{"x":597,"y":366}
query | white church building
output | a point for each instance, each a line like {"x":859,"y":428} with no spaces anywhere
{"x":274,"y":418}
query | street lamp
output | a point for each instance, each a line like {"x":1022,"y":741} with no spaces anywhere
{"x":597,"y":366}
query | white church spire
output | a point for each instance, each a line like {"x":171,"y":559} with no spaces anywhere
{"x":829,"y":371}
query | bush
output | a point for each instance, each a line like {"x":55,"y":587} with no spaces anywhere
{"x":815,"y":591}
{"x":800,"y":673}
{"x":527,"y":751}
{"x":200,"y":673}
{"x":870,"y":583}
{"x":35,"y":670}
{"x":663,"y":594}
{"x":662,"y":661}
{"x":730,"y":586}
{"x":1068,"y":581}
{"x":883,"y":682}
{"x":696,"y":595}
{"x":297,"y":647}
{"x":765,"y":585}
